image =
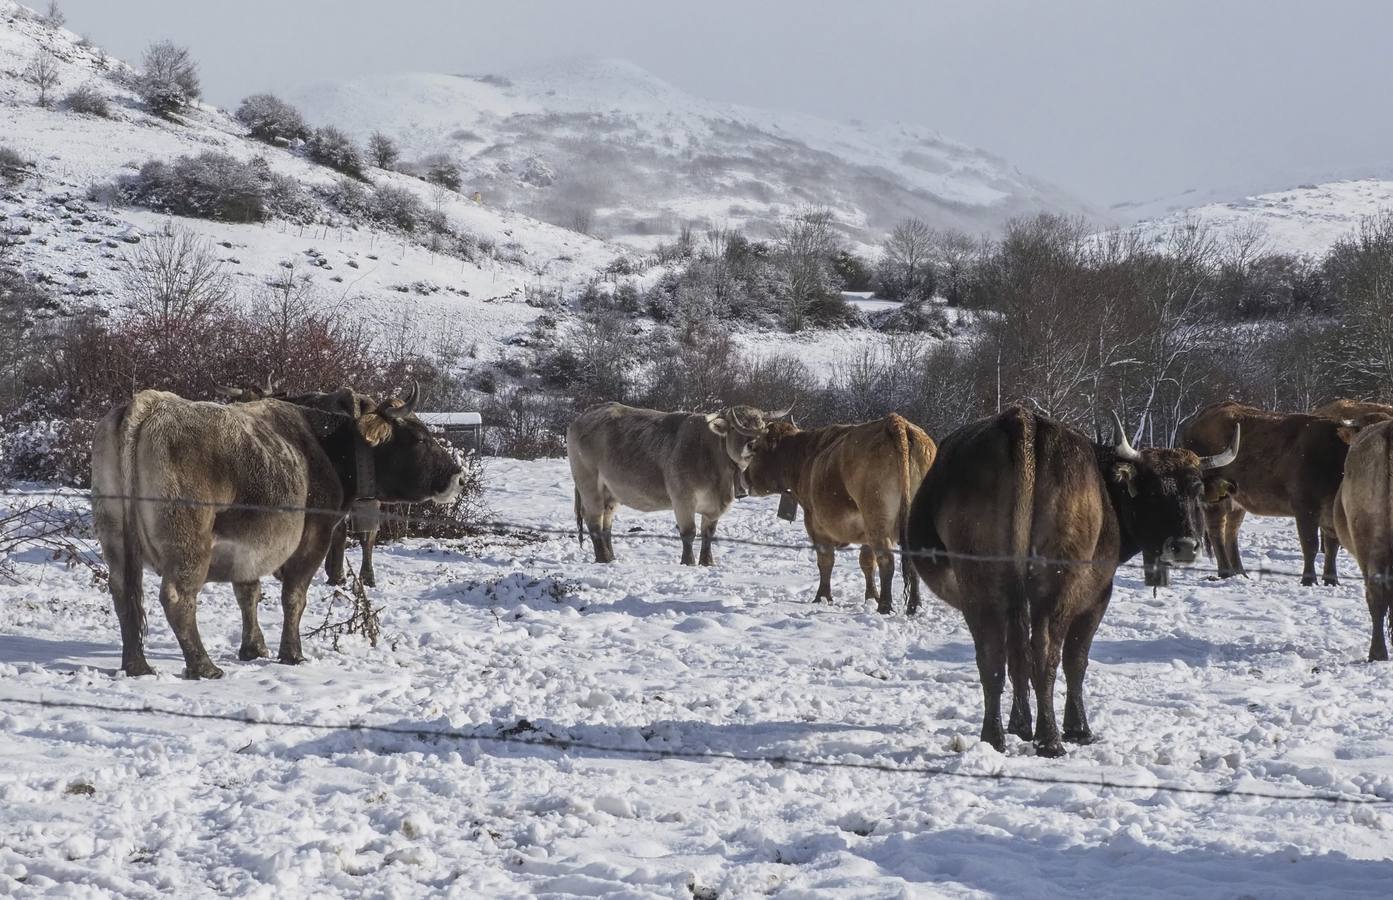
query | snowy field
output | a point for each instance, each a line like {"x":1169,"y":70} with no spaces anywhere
{"x":1256,"y":685}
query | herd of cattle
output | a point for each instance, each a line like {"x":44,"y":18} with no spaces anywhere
{"x":1016,"y":520}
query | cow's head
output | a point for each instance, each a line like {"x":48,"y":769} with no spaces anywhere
{"x":768,"y":473}
{"x":411,"y":465}
{"x":739,"y":428}
{"x":1159,"y":495}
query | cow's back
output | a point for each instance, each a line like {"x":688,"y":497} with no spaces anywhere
{"x":866,"y":472}
{"x":632,"y":452}
{"x":1364,"y":507}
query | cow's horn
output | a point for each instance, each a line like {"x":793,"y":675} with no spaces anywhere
{"x":1220,"y":460}
{"x":1124,"y":449}
{"x":739,"y":422}
{"x":231,"y":393}
{"x":408,"y":405}
{"x":779,"y":414}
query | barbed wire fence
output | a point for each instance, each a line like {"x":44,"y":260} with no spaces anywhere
{"x":517,"y":733}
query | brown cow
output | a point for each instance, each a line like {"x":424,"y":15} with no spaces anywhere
{"x":1364,"y":412}
{"x":1291,"y":465}
{"x":854,"y":483}
{"x":1021,"y":524}
{"x":1364,"y":522}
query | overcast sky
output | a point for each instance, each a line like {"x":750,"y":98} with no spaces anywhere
{"x":1112,"y":99}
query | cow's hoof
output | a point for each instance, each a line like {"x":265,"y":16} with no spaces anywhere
{"x":1330,"y":582}
{"x":1308,"y":581}
{"x":1378,"y":654}
{"x":250,"y":652}
{"x":1021,"y":728}
{"x":368,"y":581}
{"x":1079,"y":736}
{"x":912,"y":609}
{"x":884,"y":609}
{"x":137,"y":669}
{"x":291,"y":659}
{"x":1049,"y":749}
{"x":204,"y":669}
{"x":335,"y":582}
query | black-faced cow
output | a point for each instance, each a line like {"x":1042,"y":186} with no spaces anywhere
{"x":204,"y":492}
{"x":690,"y":463}
{"x":1021,"y":524}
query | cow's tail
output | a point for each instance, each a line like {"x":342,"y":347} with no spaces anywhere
{"x":130,"y":600}
{"x":580,"y":519}
{"x":910,"y":587}
{"x":1019,"y":543}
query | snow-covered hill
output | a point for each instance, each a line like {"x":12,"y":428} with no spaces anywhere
{"x":1305,"y":219}
{"x":607,"y":140}
{"x":78,"y":246}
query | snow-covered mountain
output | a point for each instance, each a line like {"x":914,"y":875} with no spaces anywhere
{"x":1305,"y":219}
{"x":79,"y":246}
{"x":609,"y":142}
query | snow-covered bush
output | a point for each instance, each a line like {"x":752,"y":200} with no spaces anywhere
{"x":56,"y":451}
{"x":383,"y":151}
{"x":214,"y":185}
{"x":168,"y":80}
{"x":87,"y":99}
{"x":397,"y":206}
{"x":13,"y":165}
{"x":271,"y":119}
{"x":441,"y":169}
{"x":349,"y":197}
{"x":330,"y":147}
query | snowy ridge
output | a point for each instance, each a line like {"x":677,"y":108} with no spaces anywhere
{"x":78,"y":246}
{"x":1303,"y":220}
{"x":608,"y":138}
{"x":1249,"y":684}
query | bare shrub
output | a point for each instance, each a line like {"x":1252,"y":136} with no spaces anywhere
{"x":527,"y":425}
{"x":54,"y":17}
{"x":461,"y":519}
{"x":383,"y":151}
{"x":43,"y":73}
{"x":13,"y":166}
{"x":88,"y":100}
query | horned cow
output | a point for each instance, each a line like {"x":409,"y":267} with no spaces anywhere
{"x":204,"y":492}
{"x":1020,"y":524}
{"x":690,"y":463}
{"x":855,"y":483}
{"x":1291,"y":465}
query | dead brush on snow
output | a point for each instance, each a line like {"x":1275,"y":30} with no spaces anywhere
{"x":362,"y":617}
{"x":62,"y":534}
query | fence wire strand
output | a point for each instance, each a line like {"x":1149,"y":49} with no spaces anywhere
{"x":503,"y":526}
{"x":657,"y":753}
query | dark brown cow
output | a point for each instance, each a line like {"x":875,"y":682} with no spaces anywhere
{"x":1291,"y":465}
{"x":854,"y":483}
{"x":204,"y":492}
{"x":1364,"y":522}
{"x":1016,"y":487}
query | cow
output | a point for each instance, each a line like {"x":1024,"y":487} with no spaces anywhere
{"x":364,"y":520}
{"x":854,"y":483}
{"x":1364,"y":412}
{"x":1021,"y":525}
{"x":690,"y":463}
{"x":204,"y":492}
{"x":1364,"y":523}
{"x":1291,"y":465}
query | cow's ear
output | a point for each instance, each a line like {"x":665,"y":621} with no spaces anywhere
{"x":344,"y":400}
{"x":1218,"y":489}
{"x":718,"y":424}
{"x":1347,"y":433}
{"x":1126,"y":474}
{"x":374,"y":428}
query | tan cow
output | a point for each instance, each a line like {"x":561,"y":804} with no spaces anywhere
{"x":1362,"y":411}
{"x":855,"y":483}
{"x":1364,"y":521}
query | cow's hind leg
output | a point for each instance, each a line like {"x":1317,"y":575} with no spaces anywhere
{"x":708,"y":531}
{"x":1330,"y":549}
{"x":179,"y":597}
{"x":868,"y":569}
{"x":886,"y":560}
{"x":1046,"y":643}
{"x":126,"y":581}
{"x":253,"y":642}
{"x":607,"y":528}
{"x":686,"y":527}
{"x":989,"y":638}
{"x":1017,"y":628}
{"x":1077,"y":642}
{"x":1378,"y":592}
{"x":826,"y":557}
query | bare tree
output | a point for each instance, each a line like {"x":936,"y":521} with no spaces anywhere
{"x":804,"y":242}
{"x":54,"y":17}
{"x":382,"y":151}
{"x":176,"y":286}
{"x":168,"y":80}
{"x":907,"y":263}
{"x":42,"y":72}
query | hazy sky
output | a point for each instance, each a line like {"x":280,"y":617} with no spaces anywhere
{"x":1113,"y":99}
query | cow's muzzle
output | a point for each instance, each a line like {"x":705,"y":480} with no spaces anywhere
{"x":447,"y":494}
{"x":1182,"y":550}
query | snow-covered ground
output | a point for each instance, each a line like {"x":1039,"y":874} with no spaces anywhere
{"x":1256,"y":684}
